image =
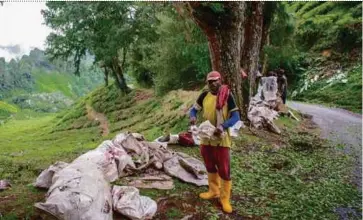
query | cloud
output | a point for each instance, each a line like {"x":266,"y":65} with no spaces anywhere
{"x":8,"y":56}
{"x":25,"y":32}
{"x":11,"y":48}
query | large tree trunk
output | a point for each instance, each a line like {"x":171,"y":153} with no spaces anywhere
{"x":230,"y":53}
{"x":252,"y":44}
{"x":224,"y":33}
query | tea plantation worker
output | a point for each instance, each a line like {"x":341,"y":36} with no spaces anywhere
{"x":219,"y":107}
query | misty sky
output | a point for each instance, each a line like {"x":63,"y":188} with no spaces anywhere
{"x":21,"y":28}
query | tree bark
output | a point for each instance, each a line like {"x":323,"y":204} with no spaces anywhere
{"x":230,"y":53}
{"x":224,"y":33}
{"x":252,"y":44}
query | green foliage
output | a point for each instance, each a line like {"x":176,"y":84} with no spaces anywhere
{"x":7,"y":107}
{"x":143,"y":48}
{"x":176,"y":61}
{"x":76,"y":118}
{"x":34,"y":82}
{"x":53,"y":82}
{"x":282,"y":51}
{"x":11,"y":77}
{"x":26,"y":149}
{"x":70,"y":85}
{"x":167,"y":51}
{"x":104,"y":29}
{"x":268,"y":181}
{"x":36,"y":74}
{"x":328,"y":25}
{"x":216,"y":7}
{"x":25,"y":114}
{"x":67,"y":18}
{"x":304,"y":31}
{"x":6,"y":110}
{"x":174,"y":213}
{"x":175,"y":57}
{"x":138,"y":111}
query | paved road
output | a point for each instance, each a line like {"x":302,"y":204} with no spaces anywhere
{"x":339,"y":126}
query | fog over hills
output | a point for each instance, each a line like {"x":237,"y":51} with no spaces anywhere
{"x":14,"y":51}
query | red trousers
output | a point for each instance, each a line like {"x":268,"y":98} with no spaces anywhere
{"x":217,"y":159}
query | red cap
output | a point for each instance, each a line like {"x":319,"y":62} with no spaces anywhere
{"x":214,"y":75}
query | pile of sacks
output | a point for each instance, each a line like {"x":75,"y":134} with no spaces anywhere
{"x":263,"y":106}
{"x":82,"y":190}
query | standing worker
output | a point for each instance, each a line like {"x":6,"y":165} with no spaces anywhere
{"x":220,"y":109}
{"x":282,"y":84}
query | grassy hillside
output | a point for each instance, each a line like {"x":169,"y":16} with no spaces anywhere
{"x":325,"y":58}
{"x":328,"y":25}
{"x":36,"y":83}
{"x":52,"y":82}
{"x":52,"y":91}
{"x":69,"y":84}
{"x":139,"y":111}
{"x":291,"y":176}
{"x":6,"y":110}
{"x":343,"y":89}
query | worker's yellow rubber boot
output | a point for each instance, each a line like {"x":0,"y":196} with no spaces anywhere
{"x":226,"y":195}
{"x":219,"y":182}
{"x":213,"y":183}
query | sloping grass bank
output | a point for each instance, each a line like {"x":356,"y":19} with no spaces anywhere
{"x":346,"y":94}
{"x":140,"y":111}
{"x":6,"y":110}
{"x":292,"y":176}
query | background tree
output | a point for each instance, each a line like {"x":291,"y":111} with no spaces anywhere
{"x":269,"y":14}
{"x":171,"y":54}
{"x":104,"y":29}
{"x":149,"y":41}
{"x":235,"y":36}
{"x":167,"y":47}
{"x":222,"y":25}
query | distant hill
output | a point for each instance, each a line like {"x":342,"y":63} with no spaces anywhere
{"x":34,"y":82}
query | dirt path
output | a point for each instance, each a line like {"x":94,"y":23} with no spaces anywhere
{"x":341,"y":127}
{"x":93,"y":115}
